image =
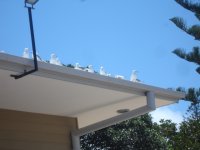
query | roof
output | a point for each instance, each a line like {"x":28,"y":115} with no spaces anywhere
{"x":63,"y":91}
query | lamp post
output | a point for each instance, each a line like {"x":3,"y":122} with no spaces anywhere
{"x":29,"y":5}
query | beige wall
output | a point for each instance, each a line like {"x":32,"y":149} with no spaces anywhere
{"x":30,"y":131}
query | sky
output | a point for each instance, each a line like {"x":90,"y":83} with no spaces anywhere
{"x":120,"y":35}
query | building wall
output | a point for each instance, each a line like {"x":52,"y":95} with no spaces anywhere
{"x":30,"y":131}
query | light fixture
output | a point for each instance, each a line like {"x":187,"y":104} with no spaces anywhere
{"x":30,"y":2}
{"x":121,"y":111}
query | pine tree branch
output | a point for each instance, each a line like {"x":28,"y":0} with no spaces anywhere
{"x":187,"y":4}
{"x":194,"y":31}
{"x":191,"y":94}
{"x":180,"y":23}
{"x":198,"y":70}
{"x":180,"y":53}
{"x":194,"y":56}
{"x":197,"y":16}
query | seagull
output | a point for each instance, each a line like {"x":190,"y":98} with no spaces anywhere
{"x":54,"y":60}
{"x":102,"y":71}
{"x":133,"y":77}
{"x":77,"y":66}
{"x":26,"y":53}
{"x":38,"y":57}
{"x":89,"y":68}
{"x":119,"y":77}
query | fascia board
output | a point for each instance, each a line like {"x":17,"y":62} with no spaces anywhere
{"x":19,"y":64}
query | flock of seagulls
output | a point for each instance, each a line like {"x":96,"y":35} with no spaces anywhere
{"x":55,"y":60}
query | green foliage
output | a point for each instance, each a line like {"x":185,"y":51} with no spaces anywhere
{"x":180,"y":52}
{"x":188,"y":136}
{"x":194,"y":31}
{"x":194,"y":55}
{"x":193,"y":95}
{"x":139,"y":133}
{"x":168,"y":130}
{"x":198,"y":16}
{"x":187,"y":4}
{"x":198,"y":70}
{"x":180,"y":23}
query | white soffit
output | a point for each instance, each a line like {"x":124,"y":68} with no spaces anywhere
{"x":63,"y":91}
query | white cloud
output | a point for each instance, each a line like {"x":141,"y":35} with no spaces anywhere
{"x":167,"y":113}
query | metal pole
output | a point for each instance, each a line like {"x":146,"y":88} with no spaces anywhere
{"x":32,"y":37}
{"x":33,"y":48}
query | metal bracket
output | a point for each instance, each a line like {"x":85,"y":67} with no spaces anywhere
{"x":33,"y":47}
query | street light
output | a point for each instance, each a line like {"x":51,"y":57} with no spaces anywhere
{"x":31,"y":2}
{"x":29,"y":5}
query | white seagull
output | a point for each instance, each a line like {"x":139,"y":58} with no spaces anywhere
{"x":133,"y":77}
{"x":54,"y":60}
{"x":102,"y":71}
{"x":89,"y":68}
{"x":77,"y":66}
{"x":26,"y":53}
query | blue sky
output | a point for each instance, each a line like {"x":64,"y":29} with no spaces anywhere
{"x":117,"y":34}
